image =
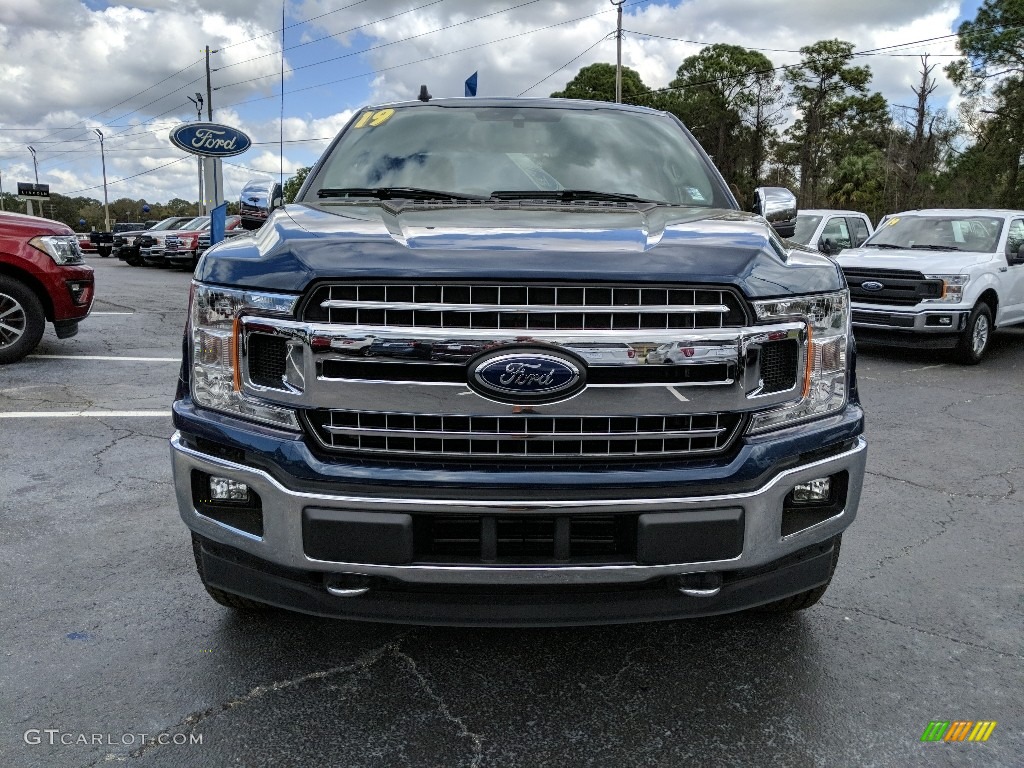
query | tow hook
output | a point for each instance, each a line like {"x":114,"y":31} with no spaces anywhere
{"x":699,"y":584}
{"x":347,"y":584}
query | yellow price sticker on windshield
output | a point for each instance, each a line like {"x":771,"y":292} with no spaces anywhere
{"x":890,"y":222}
{"x":373,"y":119}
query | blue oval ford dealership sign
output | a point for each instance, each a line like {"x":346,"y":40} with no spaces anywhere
{"x":210,"y":139}
{"x":527,"y":376}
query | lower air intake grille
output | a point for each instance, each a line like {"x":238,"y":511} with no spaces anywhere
{"x":525,"y":538}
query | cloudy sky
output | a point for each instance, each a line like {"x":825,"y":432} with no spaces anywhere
{"x":68,"y":66}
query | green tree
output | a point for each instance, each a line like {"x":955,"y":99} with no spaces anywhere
{"x":838,"y":116}
{"x":597,"y":82}
{"x":293,"y":184}
{"x":728,"y":98}
{"x":991,"y":76}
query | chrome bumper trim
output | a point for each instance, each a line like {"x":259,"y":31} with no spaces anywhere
{"x":959,"y":316}
{"x":281,"y":542}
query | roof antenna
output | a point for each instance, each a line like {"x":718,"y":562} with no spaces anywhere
{"x":424,"y":96}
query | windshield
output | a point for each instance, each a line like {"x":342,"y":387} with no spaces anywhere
{"x":805,"y":226}
{"x":474,"y":151}
{"x":166,"y":224}
{"x":940,"y":233}
{"x":201,"y":222}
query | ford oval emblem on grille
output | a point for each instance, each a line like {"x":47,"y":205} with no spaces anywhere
{"x":872,"y":285}
{"x":527,"y":376}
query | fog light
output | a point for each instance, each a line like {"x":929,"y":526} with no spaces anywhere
{"x":223,"y":489}
{"x":945,"y":320}
{"x":813,"y":492}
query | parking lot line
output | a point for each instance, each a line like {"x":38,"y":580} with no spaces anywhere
{"x":81,"y":414}
{"x":109,"y":357}
{"x":92,"y":314}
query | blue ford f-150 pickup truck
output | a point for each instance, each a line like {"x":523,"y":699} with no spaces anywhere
{"x":328,"y":459}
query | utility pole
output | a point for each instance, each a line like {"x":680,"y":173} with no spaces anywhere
{"x":2,"y":192}
{"x":618,"y":49}
{"x":209,"y":87}
{"x":198,"y":101}
{"x":106,"y":204}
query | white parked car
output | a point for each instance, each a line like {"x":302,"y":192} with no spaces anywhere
{"x":939,"y":278}
{"x":832,"y":231}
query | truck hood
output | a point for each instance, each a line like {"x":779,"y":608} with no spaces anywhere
{"x":517,"y":241}
{"x":927,"y":262}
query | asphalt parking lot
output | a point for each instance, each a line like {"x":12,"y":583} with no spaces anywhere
{"x":108,"y":633}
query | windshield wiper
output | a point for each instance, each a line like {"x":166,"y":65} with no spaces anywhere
{"x":569,"y":195}
{"x":394,"y":193}
{"x":883,"y":245}
{"x":918,"y":247}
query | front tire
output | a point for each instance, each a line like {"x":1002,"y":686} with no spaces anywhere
{"x":804,"y":600}
{"x":22,"y":320}
{"x":975,"y":339}
{"x":227,"y":599}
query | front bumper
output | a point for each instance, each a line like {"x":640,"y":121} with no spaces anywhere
{"x":599,"y":592}
{"x":180,"y":257}
{"x":932,"y":328}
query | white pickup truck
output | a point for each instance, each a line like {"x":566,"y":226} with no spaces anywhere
{"x":831,"y":231}
{"x":937,"y":279}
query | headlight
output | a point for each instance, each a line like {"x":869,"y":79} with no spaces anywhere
{"x":63,"y":249}
{"x":213,"y":329}
{"x":952,"y":288}
{"x":825,"y":367}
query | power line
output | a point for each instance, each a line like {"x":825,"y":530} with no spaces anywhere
{"x":394,"y":42}
{"x":328,"y":37}
{"x":601,"y":40}
{"x":290,"y":26}
{"x":126,"y":178}
{"x":429,"y":58}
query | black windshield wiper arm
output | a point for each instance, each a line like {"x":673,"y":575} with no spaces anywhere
{"x":883,"y":245}
{"x":567,"y":195}
{"x":394,"y":193}
{"x":935,"y":248}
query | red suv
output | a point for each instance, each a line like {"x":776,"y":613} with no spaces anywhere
{"x":42,"y":277}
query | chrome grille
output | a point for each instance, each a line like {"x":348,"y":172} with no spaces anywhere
{"x":522,"y":435}
{"x":533,"y":307}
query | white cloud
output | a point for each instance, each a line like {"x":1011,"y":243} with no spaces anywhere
{"x":65,"y":67}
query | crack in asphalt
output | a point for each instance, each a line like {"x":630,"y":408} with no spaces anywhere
{"x":913,"y":628}
{"x":944,"y":526}
{"x":1004,"y":475}
{"x":362,"y":664}
{"x":442,"y":707}
{"x":192,"y":720}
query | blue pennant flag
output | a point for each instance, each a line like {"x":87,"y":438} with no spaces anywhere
{"x":471,"y":85}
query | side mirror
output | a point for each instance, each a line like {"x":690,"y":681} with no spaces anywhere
{"x":825,"y":246}
{"x":778,"y":206}
{"x":277,"y":202}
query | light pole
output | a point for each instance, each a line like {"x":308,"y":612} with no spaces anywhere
{"x":30,"y":209}
{"x":103,"y":159}
{"x":35,"y":165}
{"x":1,"y":192}
{"x":198,"y":101}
